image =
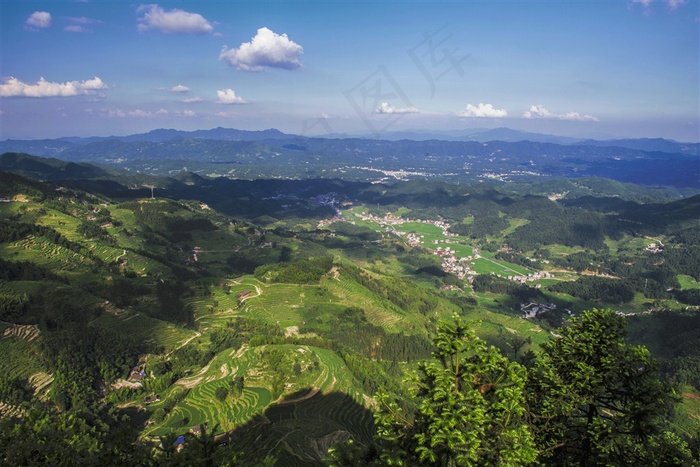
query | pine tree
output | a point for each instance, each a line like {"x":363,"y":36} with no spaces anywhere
{"x":597,"y":400}
{"x":471,"y":408}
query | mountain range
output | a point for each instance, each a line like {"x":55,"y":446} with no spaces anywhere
{"x":479,"y":135}
{"x":501,"y":154}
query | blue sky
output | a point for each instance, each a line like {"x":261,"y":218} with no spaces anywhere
{"x":590,"y":69}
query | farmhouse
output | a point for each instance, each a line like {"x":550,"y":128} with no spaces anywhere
{"x":243,"y":294}
{"x":533,"y":310}
{"x":151,"y":399}
{"x":137,"y":374}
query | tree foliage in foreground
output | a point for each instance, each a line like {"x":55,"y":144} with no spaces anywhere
{"x":471,"y":408}
{"x":591,"y":399}
{"x":597,"y":400}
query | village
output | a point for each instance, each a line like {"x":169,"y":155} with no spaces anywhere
{"x":450,"y":262}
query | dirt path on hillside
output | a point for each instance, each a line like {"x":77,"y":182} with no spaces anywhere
{"x":311,"y":394}
{"x":258,"y":292}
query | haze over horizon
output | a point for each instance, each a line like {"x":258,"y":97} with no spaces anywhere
{"x":582,"y":69}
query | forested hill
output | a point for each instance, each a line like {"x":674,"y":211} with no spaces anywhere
{"x":272,"y":154}
{"x":192,"y":320}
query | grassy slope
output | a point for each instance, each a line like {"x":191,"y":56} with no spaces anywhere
{"x":215,"y":302}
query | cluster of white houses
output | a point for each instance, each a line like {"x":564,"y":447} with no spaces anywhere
{"x":453,"y":265}
{"x":450,"y":263}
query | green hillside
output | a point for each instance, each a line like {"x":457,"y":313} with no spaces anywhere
{"x":282,"y":336}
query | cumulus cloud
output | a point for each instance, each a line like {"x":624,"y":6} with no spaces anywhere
{"x":266,"y":49}
{"x":173,"y":21}
{"x":386,"y":108}
{"x":39,"y":19}
{"x":42,"y":88}
{"x":180,"y":88}
{"x":189,"y":113}
{"x":193,"y":100}
{"x":539,"y":111}
{"x":482,"y":111}
{"x":228,"y":96}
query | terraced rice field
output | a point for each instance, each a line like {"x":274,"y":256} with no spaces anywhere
{"x":143,"y":265}
{"x":19,"y":348}
{"x":215,"y":307}
{"x":107,"y":254}
{"x":44,"y":253}
{"x":299,"y":430}
{"x":65,"y":224}
{"x":40,"y":381}
{"x":201,"y":404}
{"x":7,"y":410}
{"x":354,"y":294}
{"x":278,"y":303}
{"x":335,"y":375}
{"x":145,"y":328}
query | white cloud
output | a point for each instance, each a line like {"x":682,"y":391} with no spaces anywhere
{"x":266,"y":49}
{"x":180,"y":88}
{"x":148,"y":113}
{"x":39,"y":19}
{"x":539,"y":111}
{"x":578,"y":117}
{"x":139,"y":113}
{"x":15,"y":88}
{"x":193,"y":100}
{"x":386,"y":108}
{"x":80,"y":24}
{"x":228,"y":96}
{"x":482,"y":111}
{"x":118,"y":113}
{"x":173,"y":21}
{"x":76,"y":28}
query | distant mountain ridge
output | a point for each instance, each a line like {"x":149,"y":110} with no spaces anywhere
{"x":516,"y":156}
{"x":162,"y":135}
{"x":48,"y":147}
{"x":648,"y":144}
{"x":479,"y":135}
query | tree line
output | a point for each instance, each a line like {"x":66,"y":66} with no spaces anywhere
{"x":588,"y":399}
